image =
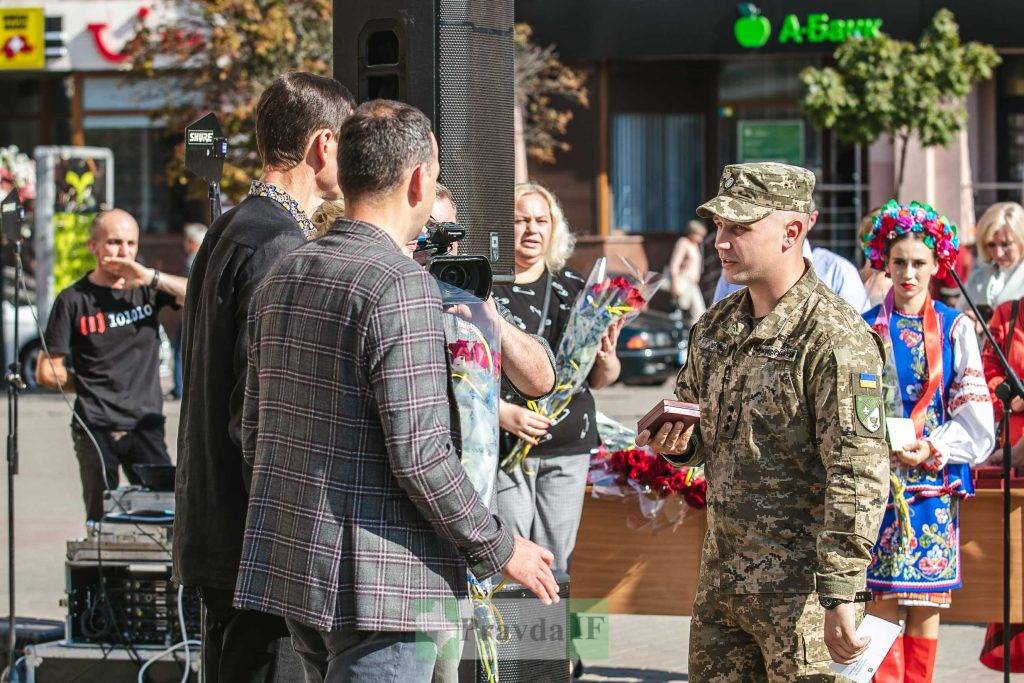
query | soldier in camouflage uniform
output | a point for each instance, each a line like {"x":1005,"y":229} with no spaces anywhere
{"x":793,"y":441}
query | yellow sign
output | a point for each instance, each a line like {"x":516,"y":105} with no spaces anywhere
{"x":22,"y":41}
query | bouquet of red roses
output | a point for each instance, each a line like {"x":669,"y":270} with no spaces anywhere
{"x":475,"y":361}
{"x":660,"y":488}
{"x":605,"y":300}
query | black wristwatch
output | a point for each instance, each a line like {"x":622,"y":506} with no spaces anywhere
{"x":832,"y":603}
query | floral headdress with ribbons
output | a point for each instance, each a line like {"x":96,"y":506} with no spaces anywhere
{"x":895,"y":220}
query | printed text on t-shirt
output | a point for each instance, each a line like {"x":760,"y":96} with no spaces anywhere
{"x":98,"y":323}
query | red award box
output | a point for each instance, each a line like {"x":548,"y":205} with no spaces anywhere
{"x":668,"y":410}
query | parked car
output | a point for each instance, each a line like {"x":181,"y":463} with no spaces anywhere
{"x":651,"y":348}
{"x":28,"y":340}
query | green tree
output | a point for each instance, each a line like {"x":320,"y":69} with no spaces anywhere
{"x":545,"y":88}
{"x":882,"y":86}
{"x":220,"y":56}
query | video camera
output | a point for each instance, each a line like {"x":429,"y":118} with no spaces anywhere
{"x":470,"y":273}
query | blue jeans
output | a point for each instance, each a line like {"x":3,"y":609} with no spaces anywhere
{"x":361,"y":656}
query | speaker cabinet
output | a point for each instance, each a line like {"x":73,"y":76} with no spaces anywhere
{"x":452,"y":59}
{"x":534,"y":643}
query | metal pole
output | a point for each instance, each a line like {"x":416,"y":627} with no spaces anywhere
{"x":214,"y":202}
{"x":1006,"y":395}
{"x":13,"y":387}
{"x":1005,"y":392}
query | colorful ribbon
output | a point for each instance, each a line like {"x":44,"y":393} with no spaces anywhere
{"x":933,"y":357}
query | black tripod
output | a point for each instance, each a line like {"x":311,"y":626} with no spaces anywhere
{"x":13,"y":216}
{"x":1005,"y":392}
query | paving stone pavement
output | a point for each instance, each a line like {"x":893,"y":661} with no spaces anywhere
{"x":49,"y":511}
{"x":655,"y":648}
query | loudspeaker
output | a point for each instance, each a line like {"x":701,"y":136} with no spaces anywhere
{"x":452,"y":59}
{"x":534,"y":640}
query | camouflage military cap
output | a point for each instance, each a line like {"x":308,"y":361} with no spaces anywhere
{"x":749,"y":192}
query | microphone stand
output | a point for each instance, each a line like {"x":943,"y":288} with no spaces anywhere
{"x":14,"y":387}
{"x":12,"y":213}
{"x":220,"y":151}
{"x":1005,"y":392}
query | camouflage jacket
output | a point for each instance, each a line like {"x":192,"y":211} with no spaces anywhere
{"x":793,"y":441}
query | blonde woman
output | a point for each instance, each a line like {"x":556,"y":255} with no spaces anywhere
{"x":545,"y":505}
{"x":325,"y":216}
{"x":999,"y":276}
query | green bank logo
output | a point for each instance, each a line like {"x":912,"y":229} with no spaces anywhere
{"x":753,"y":30}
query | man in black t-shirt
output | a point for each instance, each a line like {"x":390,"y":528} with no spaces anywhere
{"x":107,"y":323}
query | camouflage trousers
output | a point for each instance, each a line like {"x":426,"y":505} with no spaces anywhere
{"x":762,"y":637}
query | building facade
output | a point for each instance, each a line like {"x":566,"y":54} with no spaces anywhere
{"x":67,"y":86}
{"x":679,"y":89}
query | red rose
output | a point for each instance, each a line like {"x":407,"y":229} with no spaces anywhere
{"x":458,"y":348}
{"x":679,"y":481}
{"x":637,"y":456}
{"x":696,"y":495}
{"x":635,"y":299}
{"x":662,"y":485}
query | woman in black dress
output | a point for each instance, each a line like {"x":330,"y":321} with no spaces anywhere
{"x":544,"y":500}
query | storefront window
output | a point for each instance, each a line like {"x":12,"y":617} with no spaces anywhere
{"x":656,"y":160}
{"x":33,"y":110}
{"x":140,"y":157}
{"x":761,"y":79}
{"x":21,"y":96}
{"x":117,"y":116}
{"x":761,"y":119}
{"x":1011,"y":126}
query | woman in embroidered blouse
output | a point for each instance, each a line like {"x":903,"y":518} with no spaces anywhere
{"x":933,"y":376}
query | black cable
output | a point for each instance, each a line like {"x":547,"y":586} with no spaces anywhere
{"x":106,"y":653}
{"x":124,"y":637}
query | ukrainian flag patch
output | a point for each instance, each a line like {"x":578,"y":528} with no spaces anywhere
{"x":868,"y":381}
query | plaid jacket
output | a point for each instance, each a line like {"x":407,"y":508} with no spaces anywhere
{"x":360,"y":512}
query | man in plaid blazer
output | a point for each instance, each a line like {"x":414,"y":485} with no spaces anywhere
{"x":360,"y":512}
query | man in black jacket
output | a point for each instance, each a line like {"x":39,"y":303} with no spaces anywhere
{"x":298,"y":119}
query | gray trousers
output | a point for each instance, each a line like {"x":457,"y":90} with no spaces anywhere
{"x":351,"y":656}
{"x":546,"y":505}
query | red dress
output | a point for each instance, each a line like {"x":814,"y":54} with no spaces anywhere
{"x":994,"y":375}
{"x":992,"y":650}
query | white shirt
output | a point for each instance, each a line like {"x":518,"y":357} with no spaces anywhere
{"x":838,"y":273}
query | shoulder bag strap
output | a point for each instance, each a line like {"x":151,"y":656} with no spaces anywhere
{"x":1008,"y":342}
{"x":546,"y":306}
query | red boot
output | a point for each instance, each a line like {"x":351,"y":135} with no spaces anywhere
{"x":892,"y":667}
{"x":920,"y":656}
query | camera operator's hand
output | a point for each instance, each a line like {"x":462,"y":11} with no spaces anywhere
{"x":523,"y":422}
{"x":488,"y":313}
{"x":420,"y":257}
{"x":530,"y":565}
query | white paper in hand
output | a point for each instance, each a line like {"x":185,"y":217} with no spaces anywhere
{"x":883,"y":634}
{"x":901,"y":432}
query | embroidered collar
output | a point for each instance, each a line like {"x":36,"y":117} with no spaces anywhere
{"x":259,"y":188}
